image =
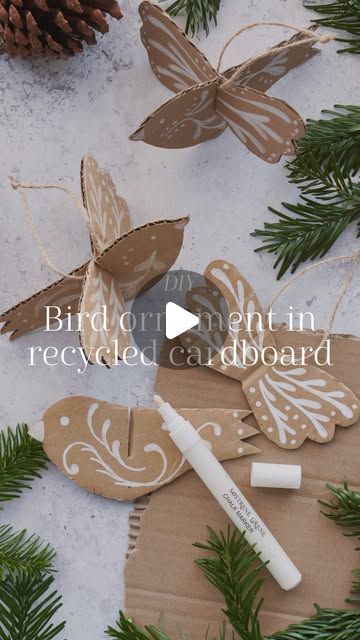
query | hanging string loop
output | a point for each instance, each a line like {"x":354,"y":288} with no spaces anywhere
{"x":355,"y":259}
{"x":311,"y":37}
{"x":20,"y":187}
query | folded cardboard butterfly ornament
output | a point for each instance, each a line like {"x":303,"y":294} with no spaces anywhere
{"x":123,"y":261}
{"x":290,"y":401}
{"x":124,"y":454}
{"x":207,"y":101}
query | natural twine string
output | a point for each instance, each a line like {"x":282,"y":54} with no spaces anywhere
{"x":355,"y":257}
{"x":312,"y":37}
{"x":83,"y":212}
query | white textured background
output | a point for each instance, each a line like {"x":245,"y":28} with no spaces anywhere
{"x":52,"y":113}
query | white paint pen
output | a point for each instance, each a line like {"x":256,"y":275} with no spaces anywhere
{"x":196,"y":451}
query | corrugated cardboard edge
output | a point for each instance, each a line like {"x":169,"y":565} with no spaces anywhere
{"x":135,"y":518}
{"x":74,"y":272}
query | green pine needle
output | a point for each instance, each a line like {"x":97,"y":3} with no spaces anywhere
{"x":233,"y":568}
{"x":339,"y":131}
{"x":355,"y":591}
{"x":126,"y":629}
{"x":27,"y":606}
{"x":327,"y":624}
{"x":343,"y":15}
{"x":325,"y":170}
{"x":344,"y":509}
{"x":21,"y":460}
{"x":199,"y":13}
{"x":23,"y":556}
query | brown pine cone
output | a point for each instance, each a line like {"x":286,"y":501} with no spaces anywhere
{"x":39,"y":27}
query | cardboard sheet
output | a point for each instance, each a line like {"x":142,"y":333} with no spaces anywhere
{"x":160,"y":574}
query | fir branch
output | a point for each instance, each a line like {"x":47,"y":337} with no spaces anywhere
{"x":339,"y":132}
{"x":343,"y":15}
{"x":325,"y":170}
{"x":126,"y":629}
{"x":344,"y":509}
{"x":27,"y":608}
{"x":327,"y":624}
{"x":199,"y":13}
{"x":21,"y":460}
{"x":233,"y":568}
{"x":23,"y":556}
{"x":355,"y":590}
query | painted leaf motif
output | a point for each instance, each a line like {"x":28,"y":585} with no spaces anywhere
{"x":176,"y":62}
{"x":294,"y":403}
{"x":184,"y":121}
{"x":108,"y":451}
{"x":267,"y":126}
{"x":108,"y":212}
{"x":104,"y":330}
{"x":248,"y":333}
{"x":143,"y":254}
{"x":30,"y":314}
{"x":266,"y":70}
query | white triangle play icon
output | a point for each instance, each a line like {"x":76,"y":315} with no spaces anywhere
{"x":178,"y":320}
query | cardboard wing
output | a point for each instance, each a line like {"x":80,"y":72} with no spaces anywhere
{"x":207,"y":102}
{"x":124,"y":454}
{"x":291,"y":402}
{"x":123,"y":262}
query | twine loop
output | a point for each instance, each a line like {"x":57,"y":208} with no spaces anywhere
{"x":18,"y":186}
{"x":355,"y":259}
{"x":311,"y":37}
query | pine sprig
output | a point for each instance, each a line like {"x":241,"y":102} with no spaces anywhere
{"x":325,"y":170}
{"x":126,"y":629}
{"x":343,"y":15}
{"x":23,"y":556}
{"x":21,"y":460}
{"x":339,"y":132}
{"x":327,"y":624}
{"x":344,"y":509}
{"x":27,"y":602}
{"x":27,"y":608}
{"x":199,"y":13}
{"x":233,"y":569}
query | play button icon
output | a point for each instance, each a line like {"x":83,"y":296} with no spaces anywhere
{"x":178,"y":320}
{"x":162,"y":316}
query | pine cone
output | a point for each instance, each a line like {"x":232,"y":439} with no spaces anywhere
{"x":38,"y":27}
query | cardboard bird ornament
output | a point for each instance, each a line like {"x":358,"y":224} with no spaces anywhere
{"x":124,"y":454}
{"x":124,"y":260}
{"x":207,"y":101}
{"x":291,"y":400}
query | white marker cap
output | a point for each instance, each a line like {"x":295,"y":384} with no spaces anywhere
{"x":277,"y":476}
